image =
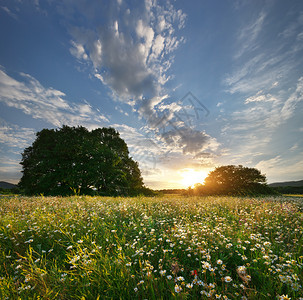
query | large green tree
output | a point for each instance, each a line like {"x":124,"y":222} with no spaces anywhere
{"x":234,"y":180}
{"x":73,"y":159}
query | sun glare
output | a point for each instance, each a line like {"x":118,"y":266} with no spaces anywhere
{"x":191,"y":176}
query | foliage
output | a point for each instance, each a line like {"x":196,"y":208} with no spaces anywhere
{"x":9,"y":191}
{"x":74,"y":160}
{"x":289,"y":189}
{"x":150,"y":248}
{"x":233,"y":180}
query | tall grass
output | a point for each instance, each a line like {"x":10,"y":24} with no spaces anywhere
{"x":151,"y":248}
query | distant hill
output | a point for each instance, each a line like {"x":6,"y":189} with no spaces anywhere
{"x":287,"y":183}
{"x":7,"y":185}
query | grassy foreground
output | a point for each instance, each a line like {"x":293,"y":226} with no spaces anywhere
{"x":151,"y":248}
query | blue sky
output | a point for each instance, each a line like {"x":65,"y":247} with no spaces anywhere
{"x":190,"y":85}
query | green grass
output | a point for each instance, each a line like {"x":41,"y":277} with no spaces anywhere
{"x":151,"y":248}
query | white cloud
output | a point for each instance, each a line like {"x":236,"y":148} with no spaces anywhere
{"x":290,"y":105}
{"x":9,"y":12}
{"x":267,"y":165}
{"x":46,"y":104}
{"x":256,"y":128}
{"x":13,"y":140}
{"x":131,"y":56}
{"x":158,"y":45}
{"x":78,"y":51}
{"x":260,"y":97}
{"x":147,"y":34}
{"x":248,"y":35}
{"x":13,"y":136}
{"x":265,"y":63}
{"x":135,"y":56}
{"x":277,"y":169}
{"x":294,"y":147}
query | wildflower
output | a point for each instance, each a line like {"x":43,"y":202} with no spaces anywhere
{"x":227,"y":279}
{"x":180,"y":278}
{"x":295,"y":286}
{"x":189,"y":285}
{"x":128,"y":264}
{"x":29,"y":241}
{"x":200,"y":282}
{"x":284,"y":297}
{"x":80,"y":241}
{"x":219,"y":262}
{"x":206,"y":265}
{"x":136,"y":289}
{"x":162,"y":272}
{"x":241,"y":269}
{"x":295,"y":277}
{"x":76,"y":258}
{"x":169,"y":277}
{"x":69,"y":247}
{"x":178,"y":289}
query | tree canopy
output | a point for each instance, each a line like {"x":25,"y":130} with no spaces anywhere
{"x":74,"y":160}
{"x":233,"y":180}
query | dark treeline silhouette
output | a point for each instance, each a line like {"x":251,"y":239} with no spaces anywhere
{"x":288,"y":189}
{"x":74,"y":160}
{"x":232,"y":180}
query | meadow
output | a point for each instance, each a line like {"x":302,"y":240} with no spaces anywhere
{"x":151,"y":248}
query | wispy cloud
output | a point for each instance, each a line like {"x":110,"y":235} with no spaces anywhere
{"x":264,"y":60}
{"x":267,"y":85}
{"x":13,"y":136}
{"x":248,"y":35}
{"x":47,"y":104}
{"x":9,"y":12}
{"x":277,"y":168}
{"x":262,"y":123}
{"x":13,"y":139}
{"x":291,"y":103}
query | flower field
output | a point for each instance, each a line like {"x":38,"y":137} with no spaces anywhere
{"x":151,"y":248}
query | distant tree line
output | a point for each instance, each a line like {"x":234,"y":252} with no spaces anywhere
{"x":74,"y":160}
{"x":288,"y":189}
{"x":232,"y":180}
{"x":9,"y":191}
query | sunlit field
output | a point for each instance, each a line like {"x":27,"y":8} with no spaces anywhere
{"x":151,"y":248}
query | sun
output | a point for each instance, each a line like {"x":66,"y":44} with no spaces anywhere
{"x":191,"y":176}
